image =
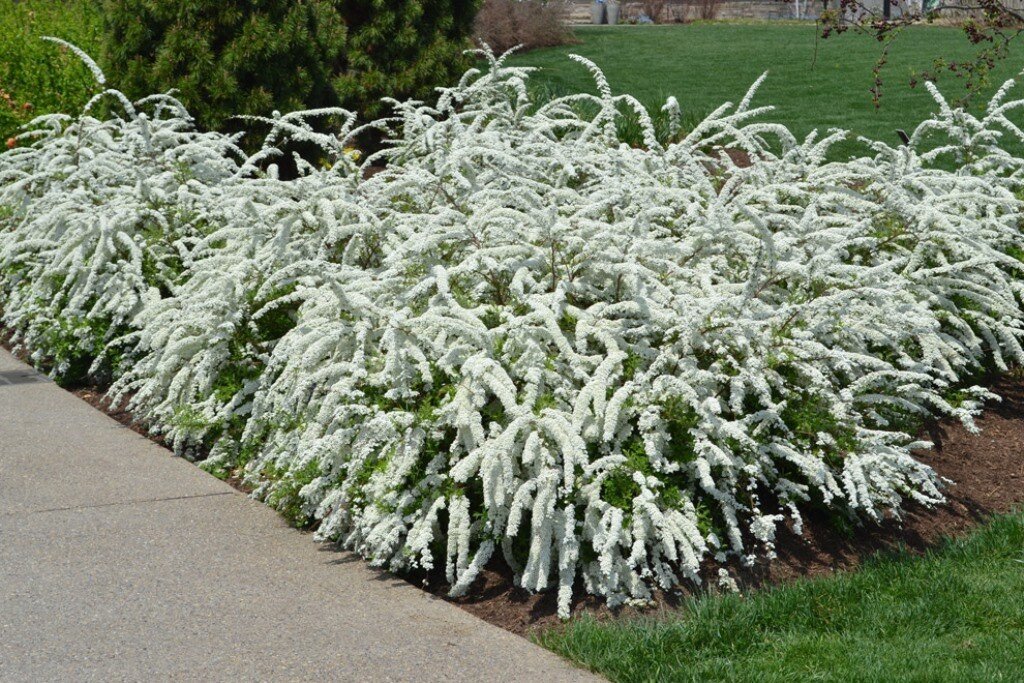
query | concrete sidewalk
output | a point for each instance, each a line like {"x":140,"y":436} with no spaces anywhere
{"x":119,"y":561}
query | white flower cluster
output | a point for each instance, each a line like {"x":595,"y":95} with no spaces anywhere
{"x":523,"y":337}
{"x":98,"y":217}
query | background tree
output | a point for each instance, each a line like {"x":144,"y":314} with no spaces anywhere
{"x":402,"y":48}
{"x":229,"y":57}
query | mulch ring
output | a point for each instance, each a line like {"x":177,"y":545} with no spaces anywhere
{"x":986,"y":472}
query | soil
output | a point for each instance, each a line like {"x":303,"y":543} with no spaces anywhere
{"x":96,"y":397}
{"x":738,"y":156}
{"x":985,"y":474}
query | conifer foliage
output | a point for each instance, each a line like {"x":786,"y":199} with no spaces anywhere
{"x":609,"y":365}
{"x":401,"y":49}
{"x":228,"y":57}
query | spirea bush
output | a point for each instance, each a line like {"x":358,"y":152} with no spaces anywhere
{"x":104,"y":211}
{"x":607,"y":364}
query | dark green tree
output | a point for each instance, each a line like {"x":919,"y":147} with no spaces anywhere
{"x":402,"y":48}
{"x":229,"y":57}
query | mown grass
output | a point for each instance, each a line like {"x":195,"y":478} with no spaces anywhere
{"x":813,"y":84}
{"x":955,"y":614}
{"x":37,"y":77}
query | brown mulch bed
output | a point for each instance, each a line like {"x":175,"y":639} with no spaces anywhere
{"x":987,"y":478}
{"x":96,"y":397}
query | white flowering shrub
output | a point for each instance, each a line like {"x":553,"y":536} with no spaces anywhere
{"x":103,"y":213}
{"x":523,"y":337}
{"x":203,"y":350}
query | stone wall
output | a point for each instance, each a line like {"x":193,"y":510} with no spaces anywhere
{"x":579,"y":12}
{"x":679,"y":10}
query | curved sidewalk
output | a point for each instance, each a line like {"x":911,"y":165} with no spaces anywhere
{"x":119,"y":561}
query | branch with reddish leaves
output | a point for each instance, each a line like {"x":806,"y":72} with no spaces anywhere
{"x":991,"y":26}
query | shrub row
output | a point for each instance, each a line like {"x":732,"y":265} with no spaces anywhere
{"x":603,"y":362}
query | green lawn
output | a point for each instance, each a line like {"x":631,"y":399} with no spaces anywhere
{"x":37,"y":77}
{"x":956,"y":614}
{"x":705,"y":65}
